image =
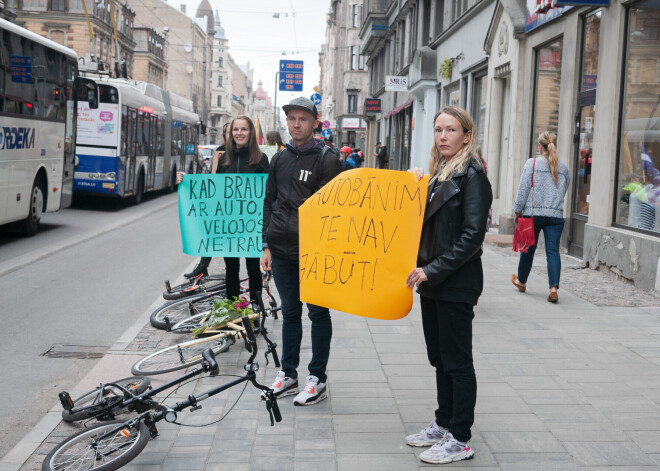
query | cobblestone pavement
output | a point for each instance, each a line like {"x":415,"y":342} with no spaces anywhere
{"x":571,"y":386}
{"x":601,"y":287}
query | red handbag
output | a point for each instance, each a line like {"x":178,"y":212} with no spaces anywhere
{"x":523,"y":236}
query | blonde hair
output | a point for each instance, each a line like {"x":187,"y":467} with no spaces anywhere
{"x":548,"y":141}
{"x":439,"y":168}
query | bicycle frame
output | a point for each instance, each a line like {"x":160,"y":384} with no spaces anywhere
{"x":157,"y":412}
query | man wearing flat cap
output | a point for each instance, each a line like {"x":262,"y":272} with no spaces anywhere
{"x":296,"y":173}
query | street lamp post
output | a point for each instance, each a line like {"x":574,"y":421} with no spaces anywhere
{"x":277,"y":85}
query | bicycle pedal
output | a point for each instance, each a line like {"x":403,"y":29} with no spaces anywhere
{"x":168,"y":287}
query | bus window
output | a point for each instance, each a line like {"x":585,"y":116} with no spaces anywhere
{"x":108,"y":94}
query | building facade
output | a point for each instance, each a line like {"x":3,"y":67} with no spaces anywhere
{"x":189,"y":48}
{"x":345,"y":79}
{"x":592,"y":76}
{"x":149,"y":58}
{"x":220,"y":83}
{"x":65,"y":22}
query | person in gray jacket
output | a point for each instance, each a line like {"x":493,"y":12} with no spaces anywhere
{"x":551,"y":180}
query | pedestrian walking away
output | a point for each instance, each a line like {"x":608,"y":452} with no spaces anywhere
{"x":551,"y":181}
{"x":449,"y":280}
{"x":296,"y":173}
{"x":242,"y":155}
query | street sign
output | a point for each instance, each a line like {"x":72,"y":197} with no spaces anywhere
{"x":316,"y":98}
{"x":291,"y":76}
{"x":325,"y":124}
{"x":326,"y":133}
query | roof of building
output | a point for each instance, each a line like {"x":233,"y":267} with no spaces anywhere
{"x":204,"y":9}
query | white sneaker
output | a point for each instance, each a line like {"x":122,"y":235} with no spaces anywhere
{"x":427,"y":437}
{"x":314,"y":392}
{"x":283,"y":386}
{"x":447,"y":451}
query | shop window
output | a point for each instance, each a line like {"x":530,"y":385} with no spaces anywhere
{"x":638,"y":180}
{"x":453,"y":95}
{"x":546,"y":92}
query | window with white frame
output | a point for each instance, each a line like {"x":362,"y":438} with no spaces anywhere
{"x":352,"y":103}
{"x":355,"y":15}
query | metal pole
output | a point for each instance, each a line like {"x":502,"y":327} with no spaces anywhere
{"x":277,"y":85}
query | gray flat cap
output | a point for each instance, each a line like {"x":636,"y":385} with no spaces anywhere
{"x":303,"y":104}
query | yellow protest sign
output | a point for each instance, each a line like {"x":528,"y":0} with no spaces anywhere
{"x":359,"y":237}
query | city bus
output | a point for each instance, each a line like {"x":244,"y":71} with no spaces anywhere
{"x":135,"y":141}
{"x":39,"y":85}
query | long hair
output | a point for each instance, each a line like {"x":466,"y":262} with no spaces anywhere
{"x":548,"y":141}
{"x":253,"y":147}
{"x":274,"y":138}
{"x":439,"y":168}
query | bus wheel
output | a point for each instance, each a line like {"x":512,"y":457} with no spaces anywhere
{"x":137,"y":197}
{"x":31,"y":223}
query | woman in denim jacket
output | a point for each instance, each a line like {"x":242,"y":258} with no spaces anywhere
{"x":550,"y":184}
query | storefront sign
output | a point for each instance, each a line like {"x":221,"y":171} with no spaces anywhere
{"x":533,"y":20}
{"x":372,"y":105}
{"x":396,"y":84}
{"x":350,"y":123}
{"x":589,"y":82}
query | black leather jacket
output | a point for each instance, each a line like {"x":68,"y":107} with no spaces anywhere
{"x":452,"y":234}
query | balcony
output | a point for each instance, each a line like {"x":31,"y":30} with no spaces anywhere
{"x":374,"y":26}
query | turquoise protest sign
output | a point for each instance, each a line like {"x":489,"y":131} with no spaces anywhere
{"x":221,"y":214}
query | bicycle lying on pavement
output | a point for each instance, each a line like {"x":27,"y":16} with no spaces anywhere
{"x":110,"y":445}
{"x":186,"y":354}
{"x":174,"y":311}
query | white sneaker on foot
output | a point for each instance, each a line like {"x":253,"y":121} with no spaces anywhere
{"x":314,"y":392}
{"x":427,"y":437}
{"x":447,"y":451}
{"x":283,"y":386}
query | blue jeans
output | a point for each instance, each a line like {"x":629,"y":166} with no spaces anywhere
{"x":552,"y":229}
{"x":286,"y":274}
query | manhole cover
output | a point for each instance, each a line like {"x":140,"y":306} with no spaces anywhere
{"x":75,"y":351}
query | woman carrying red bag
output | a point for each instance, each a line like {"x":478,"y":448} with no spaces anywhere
{"x":550,"y":180}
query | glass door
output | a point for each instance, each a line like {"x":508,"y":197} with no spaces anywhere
{"x":584,"y":126}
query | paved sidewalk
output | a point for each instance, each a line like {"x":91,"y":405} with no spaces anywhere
{"x":569,"y":386}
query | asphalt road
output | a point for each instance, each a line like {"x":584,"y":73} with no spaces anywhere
{"x":81,"y":281}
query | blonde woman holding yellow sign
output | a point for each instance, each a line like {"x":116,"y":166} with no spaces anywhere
{"x":449,"y":279}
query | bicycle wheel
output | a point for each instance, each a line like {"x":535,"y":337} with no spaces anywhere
{"x":206,"y":284}
{"x":90,"y":404}
{"x":178,"y":357}
{"x":188,"y":324}
{"x":181,"y":309}
{"x":78,"y":453}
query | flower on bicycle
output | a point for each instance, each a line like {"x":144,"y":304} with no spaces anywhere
{"x":223,"y":311}
{"x":241,"y":305}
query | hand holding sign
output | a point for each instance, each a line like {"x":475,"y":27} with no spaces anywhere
{"x":359,"y":237}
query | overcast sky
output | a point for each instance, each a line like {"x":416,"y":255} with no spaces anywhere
{"x":255,"y":36}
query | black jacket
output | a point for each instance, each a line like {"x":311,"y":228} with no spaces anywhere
{"x":452,"y":234}
{"x":293,"y":177}
{"x":240,"y":163}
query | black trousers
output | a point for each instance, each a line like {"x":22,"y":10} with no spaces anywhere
{"x":233,"y":282}
{"x":448,"y":335}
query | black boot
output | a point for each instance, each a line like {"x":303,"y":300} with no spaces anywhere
{"x":200,"y":269}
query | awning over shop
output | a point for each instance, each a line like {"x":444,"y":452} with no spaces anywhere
{"x":400,"y":108}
